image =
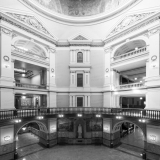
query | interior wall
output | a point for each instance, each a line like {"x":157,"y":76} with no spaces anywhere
{"x":62,"y":100}
{"x":23,"y":80}
{"x":62,"y":68}
{"x":97,"y":68}
{"x":96,"y":100}
{"x":36,"y":79}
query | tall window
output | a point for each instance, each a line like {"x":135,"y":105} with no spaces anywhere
{"x":80,"y":80}
{"x":79,"y":101}
{"x":79,"y":57}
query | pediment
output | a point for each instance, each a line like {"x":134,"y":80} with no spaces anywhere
{"x":30,"y":21}
{"x":129,"y":21}
{"x":79,"y":37}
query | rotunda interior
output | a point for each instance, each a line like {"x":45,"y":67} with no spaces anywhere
{"x":79,"y":79}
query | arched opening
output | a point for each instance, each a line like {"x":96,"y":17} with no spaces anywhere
{"x":27,"y":139}
{"x":129,"y":47}
{"x":30,"y":48}
{"x":132,"y":138}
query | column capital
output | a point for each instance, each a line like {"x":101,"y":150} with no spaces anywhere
{"x":108,"y":50}
{"x":51,"y":50}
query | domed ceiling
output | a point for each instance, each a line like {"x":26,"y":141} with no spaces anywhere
{"x":81,"y":7}
{"x":80,"y":10}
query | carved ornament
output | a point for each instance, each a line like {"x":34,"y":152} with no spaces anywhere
{"x":31,"y":21}
{"x":130,"y":20}
{"x":80,"y":38}
{"x":6,"y":31}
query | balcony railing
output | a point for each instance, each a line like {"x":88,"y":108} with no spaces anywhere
{"x":120,"y":112}
{"x":130,"y":86}
{"x":33,"y":86}
{"x":28,"y":53}
{"x":132,"y":53}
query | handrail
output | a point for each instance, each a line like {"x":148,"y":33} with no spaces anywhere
{"x":130,"y":85}
{"x":27,"y":85}
{"x":140,"y":50}
{"x":14,"y":48}
{"x":128,"y":112}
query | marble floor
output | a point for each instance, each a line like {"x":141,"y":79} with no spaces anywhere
{"x":29,"y":149}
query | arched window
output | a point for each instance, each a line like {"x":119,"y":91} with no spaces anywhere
{"x":79,"y":57}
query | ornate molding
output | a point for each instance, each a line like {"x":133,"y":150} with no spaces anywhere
{"x":108,"y":50}
{"x":154,"y":31}
{"x":51,"y":50}
{"x":136,"y":26}
{"x":11,"y":20}
{"x":31,"y":21}
{"x":80,"y":38}
{"x":6,"y":31}
{"x":129,"y":21}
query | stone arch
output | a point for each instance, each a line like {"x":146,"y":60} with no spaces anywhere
{"x":140,"y":38}
{"x":42,"y":126}
{"x":117,"y":125}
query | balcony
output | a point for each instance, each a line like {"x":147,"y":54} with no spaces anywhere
{"x":118,"y":113}
{"x":130,"y":86}
{"x":16,"y":50}
{"x":140,"y":51}
{"x":31,"y":86}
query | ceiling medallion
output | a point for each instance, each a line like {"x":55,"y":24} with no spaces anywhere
{"x":6,"y":58}
{"x":153,"y":58}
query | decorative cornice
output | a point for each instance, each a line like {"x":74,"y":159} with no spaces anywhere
{"x":31,"y":21}
{"x":129,"y":21}
{"x":90,"y":45}
{"x":28,"y":28}
{"x":135,"y":26}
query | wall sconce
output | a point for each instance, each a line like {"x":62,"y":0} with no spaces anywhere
{"x":60,"y":115}
{"x":18,"y":120}
{"x":53,"y":129}
{"x":98,"y":115}
{"x":79,"y":115}
{"x":24,"y":128}
{"x":7,"y":138}
{"x":118,"y":117}
{"x":106,"y":129}
{"x":152,"y":138}
{"x":142,"y":120}
{"x":40,"y":117}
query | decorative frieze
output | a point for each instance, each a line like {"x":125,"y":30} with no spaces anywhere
{"x":6,"y":31}
{"x":131,"y":28}
{"x":32,"y":21}
{"x":25,"y":28}
{"x":130,"y":20}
